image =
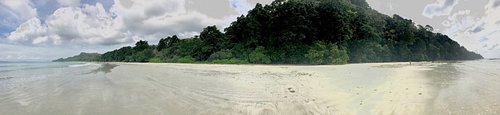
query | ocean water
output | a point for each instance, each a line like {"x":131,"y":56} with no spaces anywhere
{"x":12,"y":73}
{"x":27,"y":86}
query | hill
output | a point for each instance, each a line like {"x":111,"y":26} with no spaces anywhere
{"x":81,"y":57}
{"x":304,"y":32}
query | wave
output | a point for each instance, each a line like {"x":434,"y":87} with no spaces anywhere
{"x":82,"y":65}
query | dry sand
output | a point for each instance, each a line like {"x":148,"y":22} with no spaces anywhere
{"x":354,"y":89}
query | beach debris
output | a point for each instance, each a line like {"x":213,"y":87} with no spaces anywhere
{"x":291,"y":90}
{"x":419,"y":93}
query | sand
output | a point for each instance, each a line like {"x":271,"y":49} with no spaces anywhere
{"x":353,"y":89}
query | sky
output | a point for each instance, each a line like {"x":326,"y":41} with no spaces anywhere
{"x":50,"y":29}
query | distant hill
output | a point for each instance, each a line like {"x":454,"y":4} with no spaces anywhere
{"x":81,"y":57}
{"x":302,"y":32}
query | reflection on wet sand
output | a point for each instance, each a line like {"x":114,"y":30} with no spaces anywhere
{"x":465,"y":88}
{"x":424,"y":88}
{"x":105,"y":67}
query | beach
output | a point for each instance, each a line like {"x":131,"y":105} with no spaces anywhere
{"x":419,"y":88}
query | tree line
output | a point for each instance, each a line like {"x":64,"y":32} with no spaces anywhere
{"x":303,"y":32}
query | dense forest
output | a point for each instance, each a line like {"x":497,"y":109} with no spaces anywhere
{"x":82,"y":57}
{"x":303,"y":32}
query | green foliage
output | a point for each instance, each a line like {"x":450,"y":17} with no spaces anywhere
{"x":322,"y":53}
{"x":213,"y":40}
{"x":258,"y":56}
{"x":229,"y":61}
{"x":303,"y":32}
{"x":221,"y":55}
{"x":141,"y":56}
{"x":81,"y":57}
{"x":141,"y":45}
{"x":155,"y":60}
{"x":167,"y":42}
{"x":361,"y":3}
{"x":185,"y":60}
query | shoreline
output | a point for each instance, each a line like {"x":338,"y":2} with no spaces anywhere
{"x":469,"y":87}
{"x":304,"y":65}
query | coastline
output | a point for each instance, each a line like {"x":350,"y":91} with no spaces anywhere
{"x":177,"y":88}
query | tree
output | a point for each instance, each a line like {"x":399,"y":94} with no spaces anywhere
{"x":213,"y":40}
{"x":141,"y":45}
{"x":304,"y":32}
{"x":258,"y":56}
{"x":221,"y":55}
{"x":167,"y":42}
{"x":361,"y":3}
{"x":322,"y":53}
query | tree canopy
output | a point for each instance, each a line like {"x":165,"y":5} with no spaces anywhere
{"x":304,"y":32}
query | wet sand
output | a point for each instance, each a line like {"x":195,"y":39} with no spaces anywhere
{"x":188,"y":89}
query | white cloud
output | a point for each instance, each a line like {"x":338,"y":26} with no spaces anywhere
{"x":126,"y":21}
{"x":14,"y":12}
{"x":87,"y":25}
{"x":23,"y":9}
{"x":440,"y":8}
{"x":242,"y":6}
{"x":29,"y":31}
{"x":480,"y":34}
{"x":71,"y":3}
{"x":161,"y":17}
{"x":84,"y":26}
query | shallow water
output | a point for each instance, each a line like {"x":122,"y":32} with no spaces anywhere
{"x":468,"y":87}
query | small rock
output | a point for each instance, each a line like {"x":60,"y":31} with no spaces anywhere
{"x":291,"y":91}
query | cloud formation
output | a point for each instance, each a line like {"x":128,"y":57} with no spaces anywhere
{"x":71,"y":3}
{"x":242,"y":6}
{"x":496,"y":3}
{"x":90,"y":24}
{"x":480,"y":34}
{"x":125,"y":22}
{"x":72,"y":26}
{"x":14,"y":12}
{"x":440,"y":8}
{"x":161,"y":18}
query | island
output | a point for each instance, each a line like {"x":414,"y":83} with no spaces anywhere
{"x":314,"y":32}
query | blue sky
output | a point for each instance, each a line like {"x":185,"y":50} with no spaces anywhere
{"x":49,"y":29}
